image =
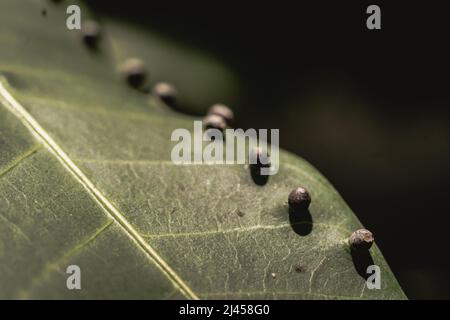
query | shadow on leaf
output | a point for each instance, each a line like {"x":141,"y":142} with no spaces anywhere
{"x":362,"y":259}
{"x":257,"y":177}
{"x":301,"y":222}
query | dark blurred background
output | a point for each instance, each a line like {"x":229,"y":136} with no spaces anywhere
{"x":369,"y":109}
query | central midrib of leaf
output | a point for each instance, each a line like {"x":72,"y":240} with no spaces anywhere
{"x":37,"y":131}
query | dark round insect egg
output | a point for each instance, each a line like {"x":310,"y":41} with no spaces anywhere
{"x":214,"y":121}
{"x":134,"y":71}
{"x":91,"y":32}
{"x":223,"y":111}
{"x":361,"y":239}
{"x":299,"y":199}
{"x":166,"y":92}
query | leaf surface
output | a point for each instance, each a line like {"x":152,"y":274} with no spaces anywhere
{"x":86,"y":179}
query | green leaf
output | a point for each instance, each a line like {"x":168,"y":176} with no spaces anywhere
{"x":200,"y":80}
{"x":86,"y":179}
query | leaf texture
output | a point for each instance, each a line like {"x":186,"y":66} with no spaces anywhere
{"x":86,"y":179}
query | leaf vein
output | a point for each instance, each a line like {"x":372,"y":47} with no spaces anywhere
{"x":17,"y":109}
{"x":243,"y":229}
{"x":23,"y":294}
{"x":19,"y":159}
